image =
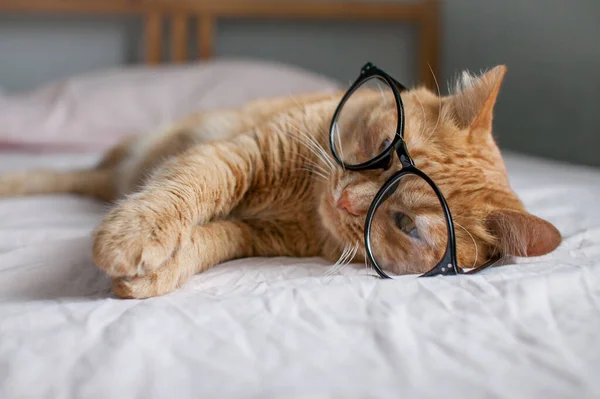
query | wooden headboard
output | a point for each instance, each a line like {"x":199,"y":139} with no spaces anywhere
{"x":423,"y":13}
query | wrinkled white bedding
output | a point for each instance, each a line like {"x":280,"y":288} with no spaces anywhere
{"x":282,"y":328}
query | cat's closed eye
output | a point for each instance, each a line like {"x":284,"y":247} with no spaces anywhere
{"x":406,"y":225}
{"x":384,"y":145}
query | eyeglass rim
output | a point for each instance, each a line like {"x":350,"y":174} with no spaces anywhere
{"x":448,"y":264}
{"x":370,"y":71}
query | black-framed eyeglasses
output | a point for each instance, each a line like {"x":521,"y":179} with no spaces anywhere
{"x":409,"y":206}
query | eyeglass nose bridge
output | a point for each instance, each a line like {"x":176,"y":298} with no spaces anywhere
{"x":403,"y":155}
{"x":384,"y":160}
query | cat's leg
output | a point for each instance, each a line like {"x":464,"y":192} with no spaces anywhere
{"x":117,"y":154}
{"x":192,"y":188}
{"x":208,"y":245}
{"x":99,"y":182}
{"x":217,"y":242}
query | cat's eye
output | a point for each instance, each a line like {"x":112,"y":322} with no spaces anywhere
{"x":385,"y":144}
{"x":406,"y":225}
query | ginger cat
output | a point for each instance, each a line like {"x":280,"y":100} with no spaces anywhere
{"x":260,"y":181}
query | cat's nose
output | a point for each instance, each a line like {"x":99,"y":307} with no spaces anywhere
{"x":346,"y":204}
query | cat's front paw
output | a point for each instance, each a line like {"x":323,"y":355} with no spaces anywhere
{"x":134,"y":240}
{"x":161,"y":282}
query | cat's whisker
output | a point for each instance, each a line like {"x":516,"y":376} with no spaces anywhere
{"x":316,"y":174}
{"x":353,"y":255}
{"x":474,"y":242}
{"x":346,"y":258}
{"x":381,"y":92}
{"x":324,"y":153}
{"x":422,"y":107}
{"x":315,"y":151}
{"x":312,"y":144}
{"x":333,"y":270}
{"x":305,"y":140}
{"x":313,"y":164}
{"x":334,"y":267}
{"x":440,"y":104}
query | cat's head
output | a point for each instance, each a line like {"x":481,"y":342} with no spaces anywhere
{"x":450,"y":139}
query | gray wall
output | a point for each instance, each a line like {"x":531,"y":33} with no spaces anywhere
{"x":552,"y":48}
{"x":550,"y":104}
{"x":40,"y":49}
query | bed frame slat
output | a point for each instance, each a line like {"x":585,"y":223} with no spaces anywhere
{"x":429,"y":46}
{"x":153,"y":27}
{"x":179,"y":37}
{"x":206,"y":32}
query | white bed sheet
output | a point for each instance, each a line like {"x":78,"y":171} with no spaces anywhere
{"x":282,"y":328}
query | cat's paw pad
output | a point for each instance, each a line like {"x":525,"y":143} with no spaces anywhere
{"x":134,"y":241}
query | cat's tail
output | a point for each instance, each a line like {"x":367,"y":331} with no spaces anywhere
{"x":95,"y":183}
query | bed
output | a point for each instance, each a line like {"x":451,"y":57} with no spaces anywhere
{"x":272,"y":327}
{"x":282,"y":327}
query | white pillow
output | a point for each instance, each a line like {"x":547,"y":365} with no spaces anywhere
{"x":96,"y":110}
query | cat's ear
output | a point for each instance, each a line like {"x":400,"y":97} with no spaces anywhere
{"x":472,"y":104}
{"x":519,"y":233}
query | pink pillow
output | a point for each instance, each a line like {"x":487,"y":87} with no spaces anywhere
{"x":96,"y":110}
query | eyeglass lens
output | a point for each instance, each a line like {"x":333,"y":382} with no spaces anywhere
{"x":359,"y":133}
{"x":408,"y":232}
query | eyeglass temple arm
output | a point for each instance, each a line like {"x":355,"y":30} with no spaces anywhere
{"x":491,"y":262}
{"x":446,"y":271}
